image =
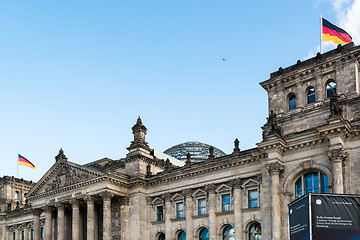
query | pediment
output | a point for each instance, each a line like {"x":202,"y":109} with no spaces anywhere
{"x":250,"y":183}
{"x":223,"y":188}
{"x":62,"y":175}
{"x":199,"y":193}
{"x":177,"y":197}
{"x":157,"y":201}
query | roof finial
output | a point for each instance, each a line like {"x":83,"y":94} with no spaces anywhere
{"x":61,"y":156}
{"x":236,"y":144}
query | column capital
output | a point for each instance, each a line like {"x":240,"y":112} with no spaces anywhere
{"x":125,"y":201}
{"x":106,"y":196}
{"x":166,"y":197}
{"x":89,"y":199}
{"x":74,"y":202}
{"x":36,"y":211}
{"x":274,"y":168}
{"x":60,"y":206}
{"x":210,"y":188}
{"x":149,"y":200}
{"x":48,"y":209}
{"x":336,"y":155}
{"x":187,"y":192}
{"x":236,"y":183}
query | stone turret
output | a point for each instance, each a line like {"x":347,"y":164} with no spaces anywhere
{"x":139,"y":145}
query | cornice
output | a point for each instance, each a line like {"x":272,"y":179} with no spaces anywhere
{"x":79,"y":185}
{"x":205,"y":168}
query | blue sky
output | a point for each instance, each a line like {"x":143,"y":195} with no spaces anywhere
{"x":77,"y":74}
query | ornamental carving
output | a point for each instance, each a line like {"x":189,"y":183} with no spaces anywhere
{"x":66,"y":177}
{"x":271,"y":127}
{"x":336,"y":155}
{"x":274,"y":168}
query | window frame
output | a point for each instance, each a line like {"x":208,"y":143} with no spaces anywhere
{"x":157,"y":213}
{"x":291,"y":103}
{"x":199,"y":208}
{"x":320,"y":186}
{"x":225,"y":204}
{"x":180,"y":213}
{"x":312,"y":95}
{"x":328,"y":90}
{"x":253,"y":199}
{"x":250,"y":227}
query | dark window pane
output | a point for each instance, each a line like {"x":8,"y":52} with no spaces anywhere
{"x":331,"y":86}
{"x":292,"y":102}
{"x":204,"y":234}
{"x":310,"y":96}
{"x":182,"y":236}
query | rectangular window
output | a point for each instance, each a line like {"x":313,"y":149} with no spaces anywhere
{"x":202,"y":206}
{"x":225,"y":202}
{"x":14,"y":238}
{"x":179,"y":210}
{"x":32,"y":234}
{"x":253,"y":198}
{"x":22,"y":235}
{"x":159,"y":213}
{"x":42,"y":232}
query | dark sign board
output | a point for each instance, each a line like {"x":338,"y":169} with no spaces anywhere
{"x":325,"y":216}
{"x":299,"y":223}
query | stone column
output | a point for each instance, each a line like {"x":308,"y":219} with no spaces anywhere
{"x":212,"y":211}
{"x":60,"y":221}
{"x":75,"y":219}
{"x":275,"y":169}
{"x":107,"y":225}
{"x":90,"y":206}
{"x":48,"y":223}
{"x":124,"y":214}
{"x":168,"y":224}
{"x":26,"y":233}
{"x":237,"y":209}
{"x":189,"y":213}
{"x":17,"y":234}
{"x":337,"y":157}
{"x":37,"y":231}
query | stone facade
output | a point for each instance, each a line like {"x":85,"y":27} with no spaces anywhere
{"x":309,"y":144}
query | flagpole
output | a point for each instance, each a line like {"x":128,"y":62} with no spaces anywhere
{"x":321,"y":33}
{"x":17,"y":165}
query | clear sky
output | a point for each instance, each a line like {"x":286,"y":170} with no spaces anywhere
{"x":77,"y":74}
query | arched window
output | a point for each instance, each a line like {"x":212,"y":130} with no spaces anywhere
{"x":182,"y":235}
{"x":255,"y":231}
{"x":229,"y":233}
{"x":314,"y":182}
{"x":16,"y":195}
{"x":331,"y":86}
{"x":310,"y":95}
{"x":161,"y":236}
{"x":292,"y":101}
{"x":204,"y":234}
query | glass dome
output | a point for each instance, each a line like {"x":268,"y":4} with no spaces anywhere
{"x":198,"y":151}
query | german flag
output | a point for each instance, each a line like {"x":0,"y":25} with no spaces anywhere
{"x":330,"y":32}
{"x":25,"y":162}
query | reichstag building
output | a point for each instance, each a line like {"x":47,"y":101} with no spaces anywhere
{"x":194,"y":191}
